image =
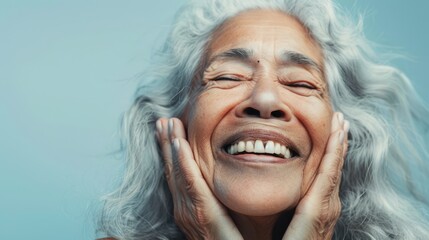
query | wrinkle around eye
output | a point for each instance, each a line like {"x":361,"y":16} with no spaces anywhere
{"x":301,"y":75}
{"x":222,"y":82}
{"x":307,"y":92}
{"x":227,"y":71}
{"x":304,"y":88}
{"x":231,"y":77}
{"x":302,"y":82}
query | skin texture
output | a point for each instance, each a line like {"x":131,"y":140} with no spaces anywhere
{"x":269,"y":94}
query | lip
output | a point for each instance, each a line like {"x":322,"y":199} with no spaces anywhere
{"x":256,"y":159}
{"x":264,"y":135}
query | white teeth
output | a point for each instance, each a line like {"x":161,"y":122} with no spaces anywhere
{"x":269,"y":147}
{"x":277,"y":148}
{"x":249,"y":146}
{"x":234,"y":149}
{"x":283,"y":150}
{"x":241,"y":147}
{"x":287,"y":153}
{"x":259,"y":147}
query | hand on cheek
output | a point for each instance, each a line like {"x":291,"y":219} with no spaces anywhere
{"x":196,"y":210}
{"x":200,"y":215}
{"x":318,"y":211}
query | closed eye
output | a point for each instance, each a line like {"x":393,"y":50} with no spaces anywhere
{"x":226,"y":78}
{"x":302,"y":85}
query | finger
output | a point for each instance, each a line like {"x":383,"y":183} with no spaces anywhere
{"x":337,"y":122}
{"x":183,"y":159}
{"x":166,"y":151}
{"x":331,"y":161}
{"x":334,"y":149}
{"x":164,"y":141}
{"x":346,"y":129}
{"x":335,"y":200}
{"x":176,"y":128}
{"x":329,"y":171}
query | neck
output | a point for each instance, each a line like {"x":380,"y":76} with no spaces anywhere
{"x":262,"y":227}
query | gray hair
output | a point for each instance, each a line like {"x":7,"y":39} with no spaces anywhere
{"x":379,"y":199}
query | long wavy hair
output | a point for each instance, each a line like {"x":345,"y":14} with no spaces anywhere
{"x":387,"y":156}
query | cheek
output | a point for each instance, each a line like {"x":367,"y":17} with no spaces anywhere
{"x":319,"y":132}
{"x":207,"y":111}
{"x":202,"y":119}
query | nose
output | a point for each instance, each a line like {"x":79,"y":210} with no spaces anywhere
{"x":264,"y":102}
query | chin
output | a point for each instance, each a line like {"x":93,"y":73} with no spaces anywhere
{"x":257,"y":196}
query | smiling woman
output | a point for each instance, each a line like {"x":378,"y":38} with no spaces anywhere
{"x":241,"y":133}
{"x":271,"y":100}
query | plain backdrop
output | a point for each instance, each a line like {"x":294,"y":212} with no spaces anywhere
{"x":67,"y":74}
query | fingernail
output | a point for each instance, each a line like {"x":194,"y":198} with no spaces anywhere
{"x":159,"y":125}
{"x":335,"y":122}
{"x":340,"y":118}
{"x":341,"y":136}
{"x":346,"y":126}
{"x":170,"y":124}
{"x":176,"y":144}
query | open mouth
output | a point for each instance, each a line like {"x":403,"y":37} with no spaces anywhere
{"x":261,"y":147}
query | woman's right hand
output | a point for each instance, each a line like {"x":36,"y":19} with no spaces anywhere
{"x":196,"y":210}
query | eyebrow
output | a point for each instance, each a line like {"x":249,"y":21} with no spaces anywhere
{"x":243,"y":54}
{"x":286,"y":58}
{"x":291,"y":57}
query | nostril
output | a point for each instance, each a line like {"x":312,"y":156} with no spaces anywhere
{"x":251,"y":112}
{"x":278,"y":114}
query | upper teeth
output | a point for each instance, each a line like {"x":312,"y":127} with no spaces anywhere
{"x":257,"y":146}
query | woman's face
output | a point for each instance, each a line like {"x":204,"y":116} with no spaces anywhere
{"x":260,"y":123}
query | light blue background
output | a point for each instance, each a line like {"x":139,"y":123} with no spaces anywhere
{"x":67,"y":74}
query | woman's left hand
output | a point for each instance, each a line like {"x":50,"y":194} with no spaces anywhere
{"x":318,"y":211}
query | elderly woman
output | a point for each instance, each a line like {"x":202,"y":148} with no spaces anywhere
{"x":241,"y":132}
